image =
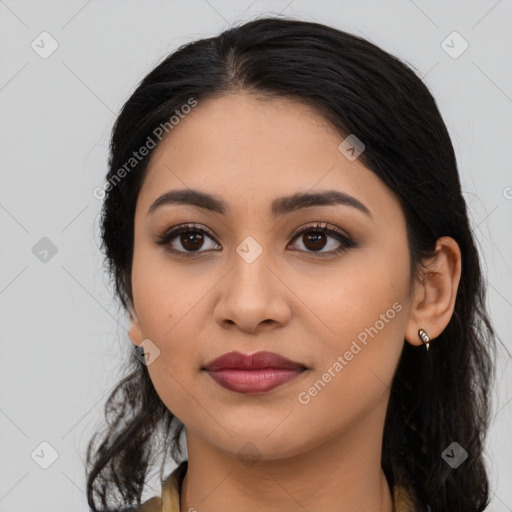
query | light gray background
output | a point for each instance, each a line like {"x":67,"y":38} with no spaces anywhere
{"x":62,"y":345}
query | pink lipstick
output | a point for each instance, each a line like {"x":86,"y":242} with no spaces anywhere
{"x":254,"y":373}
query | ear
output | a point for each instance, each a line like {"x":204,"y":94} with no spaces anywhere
{"x":135,"y":332}
{"x":434,"y":296}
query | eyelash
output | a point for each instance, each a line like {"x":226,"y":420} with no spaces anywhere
{"x":320,"y":227}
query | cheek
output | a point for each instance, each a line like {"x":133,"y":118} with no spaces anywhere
{"x":364,"y":307}
{"x":168,"y":304}
{"x":354,"y":372}
{"x":367,"y":291}
{"x":171,"y":382}
{"x":166,"y":295}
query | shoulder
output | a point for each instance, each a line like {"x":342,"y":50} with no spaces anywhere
{"x":152,"y":505}
{"x":170,"y":498}
{"x":403,"y":499}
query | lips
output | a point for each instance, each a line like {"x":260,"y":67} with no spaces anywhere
{"x":254,"y":373}
{"x":257,"y":361}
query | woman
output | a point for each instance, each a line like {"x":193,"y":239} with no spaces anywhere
{"x":284,"y":223}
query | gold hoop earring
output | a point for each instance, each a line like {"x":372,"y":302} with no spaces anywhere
{"x":424,"y":337}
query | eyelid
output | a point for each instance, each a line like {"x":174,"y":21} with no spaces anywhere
{"x":320,"y":225}
{"x":179,"y":228}
{"x":296,"y":232}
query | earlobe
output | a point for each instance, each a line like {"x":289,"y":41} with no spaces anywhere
{"x":135,"y":332}
{"x":434,"y":297}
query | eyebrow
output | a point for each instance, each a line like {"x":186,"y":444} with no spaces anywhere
{"x":279,"y":206}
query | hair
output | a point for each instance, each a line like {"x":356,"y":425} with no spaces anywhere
{"x":437,"y":397}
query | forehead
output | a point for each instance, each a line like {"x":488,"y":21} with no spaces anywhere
{"x":249,"y":150}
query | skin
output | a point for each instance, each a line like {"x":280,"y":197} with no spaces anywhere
{"x":323,"y":455}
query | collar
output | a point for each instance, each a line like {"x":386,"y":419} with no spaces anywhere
{"x":171,"y":487}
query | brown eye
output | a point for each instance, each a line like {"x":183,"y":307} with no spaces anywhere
{"x":192,"y":241}
{"x":186,"y":239}
{"x":316,"y":238}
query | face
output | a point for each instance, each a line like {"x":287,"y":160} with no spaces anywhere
{"x":247,"y":280}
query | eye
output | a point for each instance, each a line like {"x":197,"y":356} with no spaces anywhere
{"x":315,"y":238}
{"x":191,"y":238}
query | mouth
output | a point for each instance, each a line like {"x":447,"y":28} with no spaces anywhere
{"x":253,"y":381}
{"x":254,"y":373}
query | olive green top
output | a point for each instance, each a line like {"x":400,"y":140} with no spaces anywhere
{"x":170,"y":499}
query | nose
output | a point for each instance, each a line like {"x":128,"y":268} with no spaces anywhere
{"x":252,"y":296}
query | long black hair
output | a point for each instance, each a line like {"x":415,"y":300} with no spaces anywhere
{"x":436,"y":399}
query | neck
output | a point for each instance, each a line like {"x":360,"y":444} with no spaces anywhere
{"x":341,"y":474}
